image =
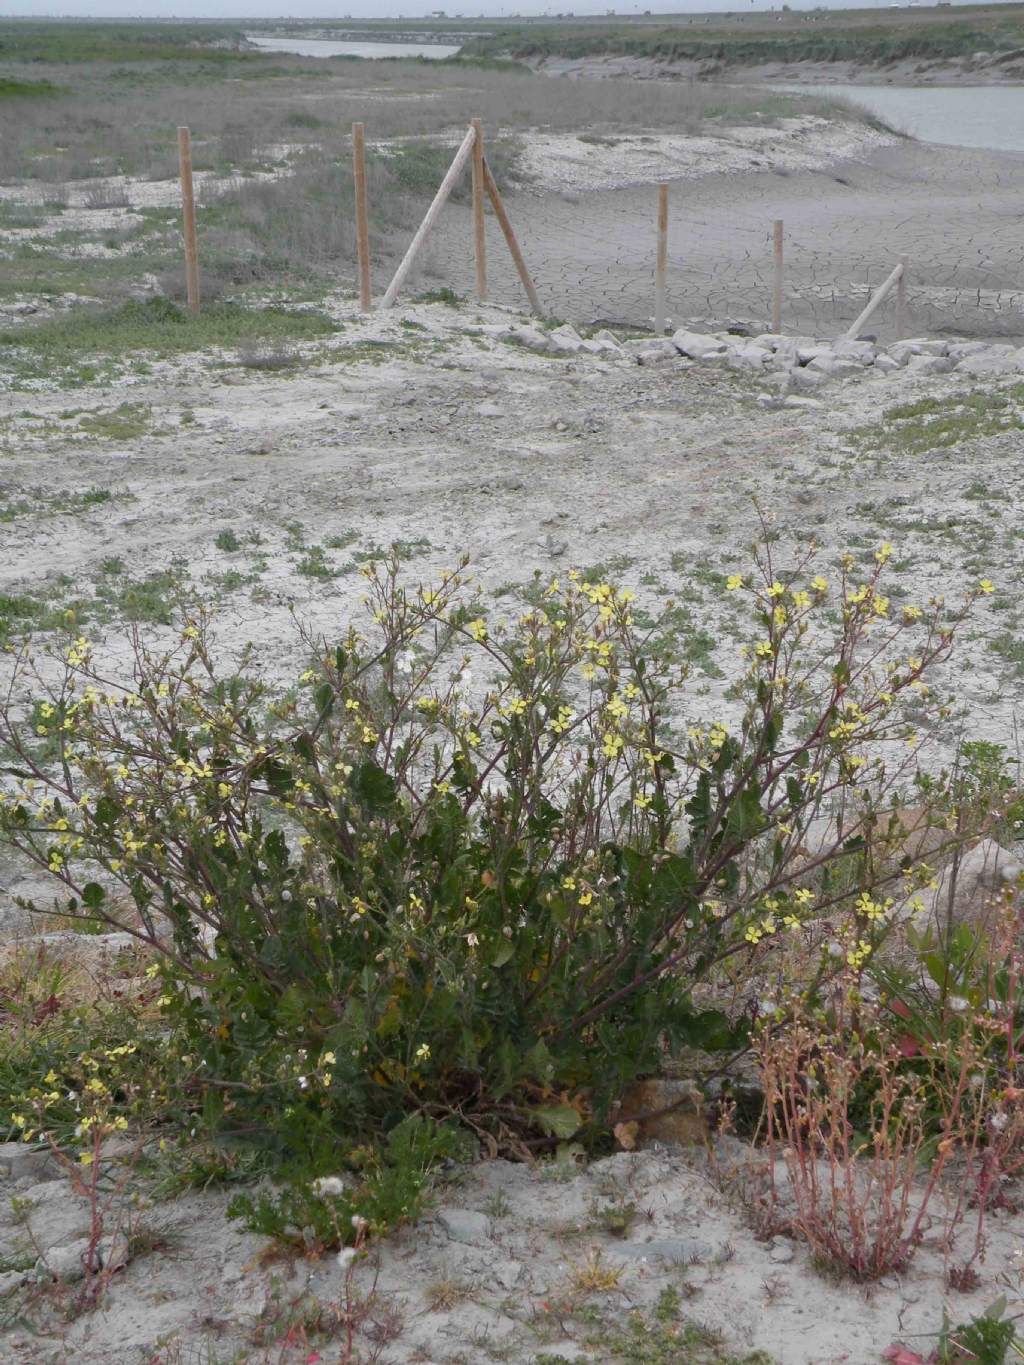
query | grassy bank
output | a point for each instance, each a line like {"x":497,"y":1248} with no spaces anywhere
{"x":88,"y":103}
{"x":868,"y":37}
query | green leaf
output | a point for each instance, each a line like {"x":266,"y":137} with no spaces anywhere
{"x":557,"y":1120}
{"x":374,"y":787}
{"x":93,"y":895}
{"x":502,"y":953}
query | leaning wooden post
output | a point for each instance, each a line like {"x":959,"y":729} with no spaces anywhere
{"x":430,"y":218}
{"x":498,"y":205}
{"x":362,"y":218}
{"x":777,"y":279}
{"x":661,"y":263}
{"x":876,"y":298}
{"x":188,"y":214}
{"x":901,"y":301}
{"x":478,"y":211}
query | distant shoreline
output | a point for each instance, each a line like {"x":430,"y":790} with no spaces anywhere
{"x":996,"y":71}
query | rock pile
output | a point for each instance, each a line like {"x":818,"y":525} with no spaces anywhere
{"x":789,"y":364}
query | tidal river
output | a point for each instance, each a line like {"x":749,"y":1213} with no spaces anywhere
{"x":957,"y":115}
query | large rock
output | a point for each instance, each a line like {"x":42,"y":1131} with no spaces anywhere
{"x":862,"y":352}
{"x":834,"y":366}
{"x":969,"y":890}
{"x":995,"y":361}
{"x":929,"y":364}
{"x":698,"y":345}
{"x":747,"y":357}
{"x":885,"y":364}
{"x":801,"y":377}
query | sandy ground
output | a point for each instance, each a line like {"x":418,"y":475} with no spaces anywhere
{"x":424,"y":426}
{"x":498,"y":1273}
{"x":458,"y":443}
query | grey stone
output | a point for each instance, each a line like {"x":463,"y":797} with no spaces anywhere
{"x":929,"y":364}
{"x":807,"y":350}
{"x":11,"y":1280}
{"x":67,"y":1262}
{"x":782,"y":1251}
{"x":608,"y":337}
{"x":959,"y":350}
{"x":992,"y":362}
{"x":20,"y":1162}
{"x":596,"y":347}
{"x":530,"y":337}
{"x":802,"y":378}
{"x":674,"y":1251}
{"x":834,"y":366}
{"x":698,"y":345}
{"x":863,"y":352}
{"x":489,"y":410}
{"x":795,"y":401}
{"x":786,"y":355}
{"x":464,"y":1225}
{"x":653,"y":354}
{"x":885,"y":364}
{"x":747,"y":358}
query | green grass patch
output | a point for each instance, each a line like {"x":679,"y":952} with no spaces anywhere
{"x":12,"y":89}
{"x":940,"y":423}
{"x":64,"y":502}
{"x":88,"y":343}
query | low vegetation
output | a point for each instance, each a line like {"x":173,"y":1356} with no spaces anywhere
{"x":869,"y":37}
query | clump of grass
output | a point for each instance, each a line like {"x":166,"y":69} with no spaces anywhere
{"x":944,"y":422}
{"x":89,"y":341}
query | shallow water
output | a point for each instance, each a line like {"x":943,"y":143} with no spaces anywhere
{"x":324,"y":47}
{"x":959,"y":116}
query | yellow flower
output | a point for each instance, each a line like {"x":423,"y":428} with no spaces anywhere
{"x":819,"y":584}
{"x":734,"y":581}
{"x":423,"y":1052}
{"x":478,"y":629}
{"x":986,"y":586}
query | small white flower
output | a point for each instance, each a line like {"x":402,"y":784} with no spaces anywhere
{"x":303,"y":1082}
{"x":345,"y":1257}
{"x":359,"y":1222}
{"x":958,"y":1003}
{"x":998,"y":1122}
{"x":472,"y":940}
{"x":328,"y":1185}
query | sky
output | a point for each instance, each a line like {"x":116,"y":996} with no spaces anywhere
{"x":376,"y":9}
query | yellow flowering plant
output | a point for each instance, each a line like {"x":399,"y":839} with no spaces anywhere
{"x":482,"y":863}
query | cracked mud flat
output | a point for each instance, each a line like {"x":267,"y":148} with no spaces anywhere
{"x":850,"y":213}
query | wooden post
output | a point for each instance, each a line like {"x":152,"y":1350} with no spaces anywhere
{"x":430,"y":218}
{"x":901,"y":302}
{"x":661,"y":262}
{"x":478,"y":211}
{"x":188,"y":214}
{"x":497,"y":204}
{"x":876,"y":298}
{"x":777,"y":279}
{"x":362,"y":218}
